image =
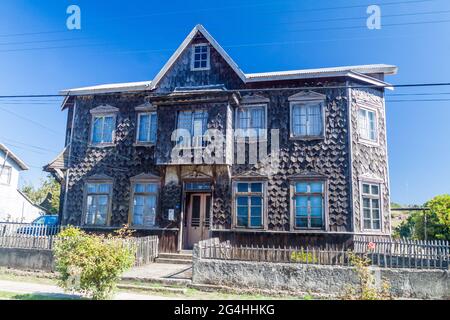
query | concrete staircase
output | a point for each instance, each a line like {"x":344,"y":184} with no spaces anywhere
{"x":184,"y":257}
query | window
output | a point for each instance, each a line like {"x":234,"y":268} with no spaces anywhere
{"x":249,"y":201}
{"x":196,"y":124}
{"x":309,"y":205}
{"x":371,"y":206}
{"x":147,"y":126}
{"x":200,"y":57}
{"x":251,"y":121}
{"x":307,"y":119}
{"x":145,"y":199}
{"x":98,"y":198}
{"x":102,"y":129}
{"x":5,"y":175}
{"x":367,"y":124}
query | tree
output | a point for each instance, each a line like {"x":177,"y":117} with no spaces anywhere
{"x":46,"y":194}
{"x":435,"y":223}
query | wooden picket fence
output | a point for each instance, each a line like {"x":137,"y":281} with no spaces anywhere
{"x":404,"y":253}
{"x":394,"y":256}
{"x":35,"y":237}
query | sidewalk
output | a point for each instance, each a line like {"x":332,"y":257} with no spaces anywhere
{"x":57,"y":293}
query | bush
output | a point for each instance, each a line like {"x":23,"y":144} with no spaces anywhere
{"x":303,"y":257}
{"x":91,"y":264}
{"x":367,"y":289}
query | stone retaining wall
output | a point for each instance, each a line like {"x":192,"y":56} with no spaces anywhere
{"x":318,"y":279}
{"x":27,"y":259}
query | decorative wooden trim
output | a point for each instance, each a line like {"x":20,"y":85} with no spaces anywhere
{"x":307,"y":96}
{"x":104,"y":109}
{"x":325,"y":204}
{"x":254,"y":99}
{"x":97,"y":179}
{"x":146,"y":107}
{"x":265,"y":212}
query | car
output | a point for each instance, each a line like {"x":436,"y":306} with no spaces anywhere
{"x":42,"y":226}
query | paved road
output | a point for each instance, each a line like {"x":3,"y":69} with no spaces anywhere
{"x":54,"y":291}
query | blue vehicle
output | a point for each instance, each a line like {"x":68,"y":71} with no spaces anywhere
{"x":42,"y":226}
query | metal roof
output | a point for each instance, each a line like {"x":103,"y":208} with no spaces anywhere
{"x":363,"y":71}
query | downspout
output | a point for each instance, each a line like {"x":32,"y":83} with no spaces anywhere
{"x":66,"y":190}
{"x":350,"y":142}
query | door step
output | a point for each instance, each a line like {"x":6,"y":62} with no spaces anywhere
{"x":175,"y":258}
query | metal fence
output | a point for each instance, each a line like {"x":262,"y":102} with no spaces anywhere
{"x":37,"y":237}
{"x":379,"y":256}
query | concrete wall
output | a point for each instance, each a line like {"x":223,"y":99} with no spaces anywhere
{"x":27,"y":259}
{"x":318,"y":279}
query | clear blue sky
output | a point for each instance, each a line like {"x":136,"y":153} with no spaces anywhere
{"x":124,"y":41}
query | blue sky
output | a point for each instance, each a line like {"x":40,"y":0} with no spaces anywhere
{"x":124,"y":41}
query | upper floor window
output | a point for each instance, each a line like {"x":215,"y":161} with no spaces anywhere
{"x":309,"y":210}
{"x":97,"y":203}
{"x":367,"y":124}
{"x":145,"y":200}
{"x":5,"y":175}
{"x":147,"y":127}
{"x":249,"y":204}
{"x":200,"y":57}
{"x":103,"y":129}
{"x":194,"y":124}
{"x":371,"y":206}
{"x":307,"y":119}
{"x":251,"y":121}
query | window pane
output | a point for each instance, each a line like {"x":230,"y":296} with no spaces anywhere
{"x":301,"y":187}
{"x":367,"y":213}
{"x":366,"y":188}
{"x":256,"y":221}
{"x":242,"y":216}
{"x":301,"y":223}
{"x":299,"y":115}
{"x":104,"y":188}
{"x":91,"y":188}
{"x":316,"y":222}
{"x":315,"y":120}
{"x":317,"y":187}
{"x":366,"y":203}
{"x":376,"y":225}
{"x":256,"y":212}
{"x":375,"y":190}
{"x":256,"y":187}
{"x":242,"y":201}
{"x":97,"y":130}
{"x":242,"y":187}
{"x":316,"y":206}
{"x":108,"y":128}
{"x":151,"y":188}
{"x":256,"y":201}
{"x":144,"y":127}
{"x":367,"y":224}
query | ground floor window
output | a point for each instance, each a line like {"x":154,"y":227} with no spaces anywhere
{"x":98,"y":199}
{"x":309,"y":201}
{"x":249,"y":204}
{"x":371,"y":206}
{"x":145,"y":200}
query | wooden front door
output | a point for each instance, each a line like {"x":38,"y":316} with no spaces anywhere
{"x":198,"y":219}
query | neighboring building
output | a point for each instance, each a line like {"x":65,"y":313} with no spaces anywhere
{"x":325,"y":177}
{"x":14,"y":205}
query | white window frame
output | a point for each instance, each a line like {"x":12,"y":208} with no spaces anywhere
{"x":362,"y":138}
{"x":239,"y":131}
{"x":264,"y":204}
{"x":208,"y":57}
{"x":85,"y":203}
{"x":192,"y":145}
{"x":113,"y":134}
{"x":371,"y":197}
{"x":149,"y":142}
{"x":305,"y":103}
{"x":7,"y":171}
{"x":324,"y":195}
{"x":134,"y":182}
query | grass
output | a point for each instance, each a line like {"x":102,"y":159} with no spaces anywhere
{"x":31,"y":296}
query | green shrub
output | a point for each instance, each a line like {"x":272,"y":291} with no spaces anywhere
{"x":91,"y":264}
{"x":303,"y":257}
{"x":367,"y":289}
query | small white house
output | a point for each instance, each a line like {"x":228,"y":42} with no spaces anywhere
{"x":14,"y":205}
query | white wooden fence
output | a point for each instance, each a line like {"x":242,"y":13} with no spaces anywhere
{"x":37,"y":237}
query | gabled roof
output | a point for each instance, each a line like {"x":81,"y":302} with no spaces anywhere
{"x":11,"y":155}
{"x":360,"y":72}
{"x":198,"y":29}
